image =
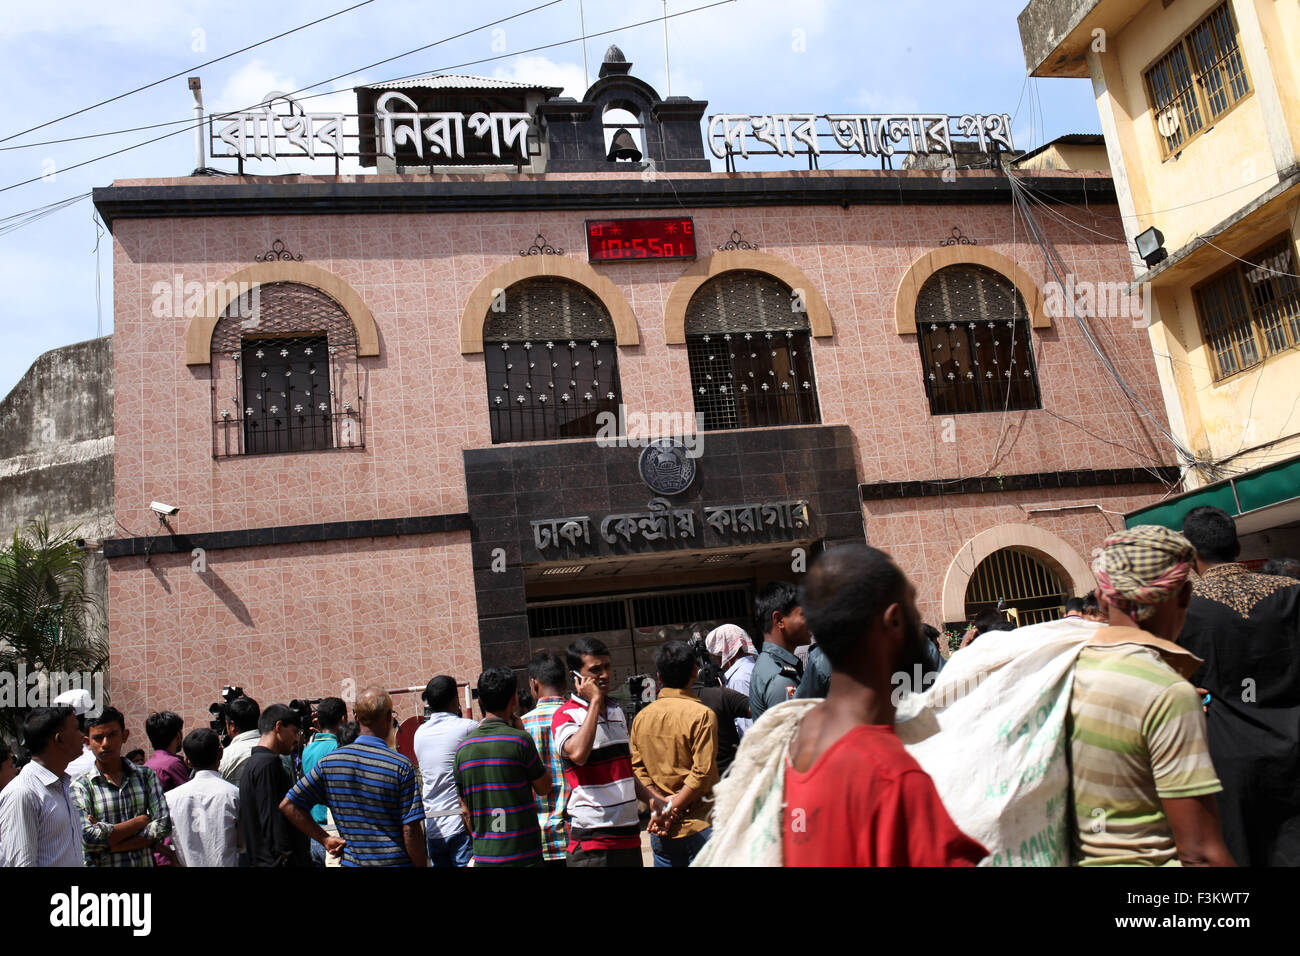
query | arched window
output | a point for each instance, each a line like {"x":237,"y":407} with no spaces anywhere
{"x":976,"y":348}
{"x":1020,"y":581}
{"x":285,"y":375}
{"x":748,"y":346}
{"x":552,"y":362}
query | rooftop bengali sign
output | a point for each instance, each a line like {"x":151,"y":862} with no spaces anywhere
{"x":280,"y":128}
{"x":867,"y":134}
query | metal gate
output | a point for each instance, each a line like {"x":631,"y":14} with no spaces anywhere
{"x":1026,"y":584}
{"x":635,"y":625}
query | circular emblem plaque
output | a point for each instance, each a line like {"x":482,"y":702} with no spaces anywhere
{"x":666,"y":468}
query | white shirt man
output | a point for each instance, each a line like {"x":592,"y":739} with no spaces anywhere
{"x":435,"y":746}
{"x":39,"y":823}
{"x":205,"y":820}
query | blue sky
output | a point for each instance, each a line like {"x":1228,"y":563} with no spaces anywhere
{"x":819,"y":56}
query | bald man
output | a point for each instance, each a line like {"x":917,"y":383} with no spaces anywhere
{"x":372,"y":790}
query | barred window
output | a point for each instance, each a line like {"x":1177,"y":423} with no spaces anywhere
{"x":552,"y":362}
{"x":1251,"y":311}
{"x":748,"y":345}
{"x":285,"y":376}
{"x":976,"y":347}
{"x":1197,"y":81}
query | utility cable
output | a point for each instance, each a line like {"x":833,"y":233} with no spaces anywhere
{"x":147,"y":86}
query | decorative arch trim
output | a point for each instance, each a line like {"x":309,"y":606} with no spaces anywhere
{"x":198,"y":337}
{"x":1043,"y":545}
{"x":684,"y":289}
{"x":544,"y":266}
{"x":932,"y":262}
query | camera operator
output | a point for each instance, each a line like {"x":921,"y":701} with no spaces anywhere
{"x":729,"y":705}
{"x":242,"y":715}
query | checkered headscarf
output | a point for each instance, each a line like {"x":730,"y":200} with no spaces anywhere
{"x":1142,"y":567}
{"x":727,"y":641}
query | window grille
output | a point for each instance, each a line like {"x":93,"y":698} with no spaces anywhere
{"x":1022,"y":581}
{"x":552,"y":363}
{"x":1197,"y":81}
{"x":285,"y":374}
{"x":750,"y":355}
{"x":634,"y":626}
{"x":1251,"y":311}
{"x":976,"y":345}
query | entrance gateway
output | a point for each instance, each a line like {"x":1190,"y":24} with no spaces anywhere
{"x":635,"y":624}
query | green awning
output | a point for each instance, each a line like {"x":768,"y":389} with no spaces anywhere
{"x":1242,"y":495}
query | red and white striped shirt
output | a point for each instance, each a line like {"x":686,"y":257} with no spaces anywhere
{"x":601,"y":806}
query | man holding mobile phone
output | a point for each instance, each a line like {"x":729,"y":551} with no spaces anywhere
{"x":590,"y":732}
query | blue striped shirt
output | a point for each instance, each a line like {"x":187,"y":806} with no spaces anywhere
{"x":372,"y":792}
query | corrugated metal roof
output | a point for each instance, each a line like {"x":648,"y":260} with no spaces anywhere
{"x":453,"y":81}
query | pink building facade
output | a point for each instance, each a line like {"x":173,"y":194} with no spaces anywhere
{"x":398,"y":540}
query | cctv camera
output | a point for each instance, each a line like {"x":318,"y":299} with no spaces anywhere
{"x":163,"y":509}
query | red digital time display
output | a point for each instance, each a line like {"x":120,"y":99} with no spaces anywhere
{"x":616,"y":240}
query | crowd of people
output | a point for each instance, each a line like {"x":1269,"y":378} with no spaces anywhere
{"x":1184,"y":740}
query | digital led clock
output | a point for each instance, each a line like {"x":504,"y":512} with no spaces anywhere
{"x":616,"y":240}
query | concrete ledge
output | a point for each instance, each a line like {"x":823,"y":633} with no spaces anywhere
{"x":285,"y":534}
{"x":520,"y":194}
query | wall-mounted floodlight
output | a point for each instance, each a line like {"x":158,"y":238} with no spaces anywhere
{"x":1151,"y":246}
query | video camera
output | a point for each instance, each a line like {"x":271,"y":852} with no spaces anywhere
{"x":219,"y":712}
{"x":306,"y":711}
{"x":710,"y":673}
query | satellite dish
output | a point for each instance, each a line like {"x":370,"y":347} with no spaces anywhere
{"x":1167,"y":122}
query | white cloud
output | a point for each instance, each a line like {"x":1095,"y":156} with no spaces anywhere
{"x":874,"y":101}
{"x":161,"y":25}
{"x":543,"y":71}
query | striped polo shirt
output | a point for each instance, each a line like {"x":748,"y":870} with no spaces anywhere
{"x":601,"y":805}
{"x":495,"y":767}
{"x":372,"y":792}
{"x":1138,"y":735}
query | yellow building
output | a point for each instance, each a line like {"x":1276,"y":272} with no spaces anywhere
{"x":1071,"y":151}
{"x":1200,"y":108}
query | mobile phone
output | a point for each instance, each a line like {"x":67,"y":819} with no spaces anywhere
{"x":576,"y":676}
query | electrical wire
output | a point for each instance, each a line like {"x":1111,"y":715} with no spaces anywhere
{"x":1256,"y":265}
{"x":1058,"y":267}
{"x":189,"y":124}
{"x":147,"y":86}
{"x":16,"y":221}
{"x":1156,"y":475}
{"x":99,"y":304}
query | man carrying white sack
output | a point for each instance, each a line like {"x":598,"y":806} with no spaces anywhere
{"x":1006,"y":711}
